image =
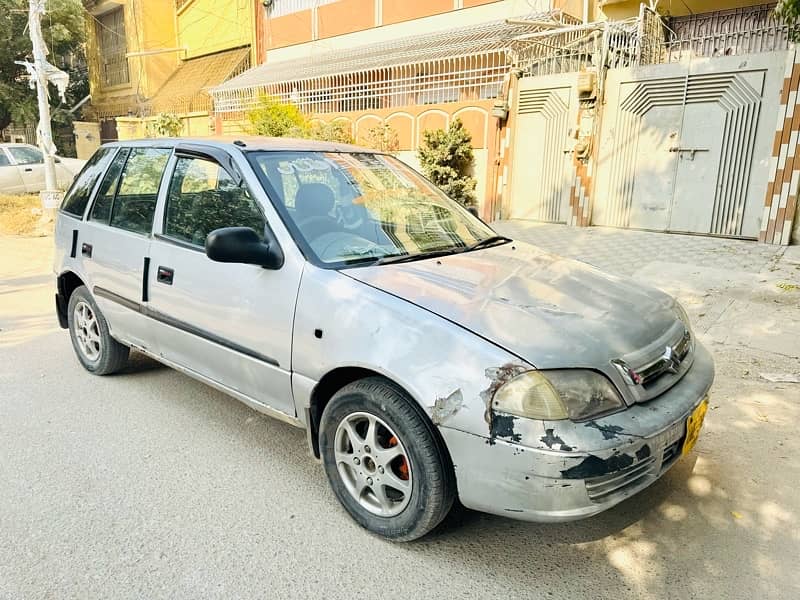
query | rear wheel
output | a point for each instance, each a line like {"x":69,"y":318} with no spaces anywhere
{"x":384,"y":461}
{"x":97,"y":351}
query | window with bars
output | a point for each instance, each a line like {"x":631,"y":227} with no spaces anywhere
{"x":112,"y":47}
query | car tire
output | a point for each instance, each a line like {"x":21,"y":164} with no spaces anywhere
{"x":97,"y":351}
{"x":385,"y":461}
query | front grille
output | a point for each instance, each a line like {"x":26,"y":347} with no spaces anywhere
{"x":600,"y":488}
{"x":649,"y":374}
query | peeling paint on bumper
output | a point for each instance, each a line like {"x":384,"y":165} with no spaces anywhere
{"x":527,"y":480}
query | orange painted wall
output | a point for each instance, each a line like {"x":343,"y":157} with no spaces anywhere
{"x":395,"y":11}
{"x":290,"y":29}
{"x":410,"y":121}
{"x":468,"y":3}
{"x":345,"y":16}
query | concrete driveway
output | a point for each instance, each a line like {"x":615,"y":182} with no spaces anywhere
{"x":150,"y":485}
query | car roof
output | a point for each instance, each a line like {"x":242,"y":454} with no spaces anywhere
{"x":248,"y":143}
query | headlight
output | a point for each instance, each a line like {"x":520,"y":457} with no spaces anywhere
{"x":575,"y":394}
{"x":680,"y":312}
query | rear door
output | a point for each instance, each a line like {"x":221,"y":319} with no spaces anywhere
{"x":30,"y":165}
{"x":116,"y":239}
{"x":231,"y":323}
{"x":10,"y":179}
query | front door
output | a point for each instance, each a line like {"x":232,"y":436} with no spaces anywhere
{"x":30,"y":164}
{"x":10,"y":179}
{"x":231,"y":323}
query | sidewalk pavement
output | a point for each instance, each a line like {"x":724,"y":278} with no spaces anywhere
{"x":739,"y":294}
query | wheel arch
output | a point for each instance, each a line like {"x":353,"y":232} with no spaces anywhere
{"x":66,"y":283}
{"x":336,"y":379}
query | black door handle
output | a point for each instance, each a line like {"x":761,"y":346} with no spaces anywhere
{"x":165,"y":275}
{"x":28,"y":170}
{"x":86,"y":250}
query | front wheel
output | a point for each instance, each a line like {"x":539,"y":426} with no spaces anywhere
{"x":384,"y":461}
{"x":97,"y":351}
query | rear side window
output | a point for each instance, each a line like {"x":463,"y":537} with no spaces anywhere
{"x":4,"y":162}
{"x":78,"y":196}
{"x":204,"y":197}
{"x":127,"y":197}
{"x":101,"y":209}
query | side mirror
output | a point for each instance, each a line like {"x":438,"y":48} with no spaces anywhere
{"x":242,"y":245}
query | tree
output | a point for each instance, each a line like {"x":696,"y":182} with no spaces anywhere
{"x":446,"y":158}
{"x":382,"y":138}
{"x":63,"y":29}
{"x":788,"y":11}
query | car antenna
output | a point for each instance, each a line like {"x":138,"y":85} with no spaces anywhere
{"x":239,"y":143}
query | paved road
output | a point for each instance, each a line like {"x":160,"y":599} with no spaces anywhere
{"x":150,"y":485}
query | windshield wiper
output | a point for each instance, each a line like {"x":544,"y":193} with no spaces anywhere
{"x":489,"y":241}
{"x":401,"y":258}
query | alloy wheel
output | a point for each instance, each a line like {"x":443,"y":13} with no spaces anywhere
{"x":373,"y":464}
{"x":87,"y":331}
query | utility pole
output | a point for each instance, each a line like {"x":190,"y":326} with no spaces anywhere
{"x":41,"y":73}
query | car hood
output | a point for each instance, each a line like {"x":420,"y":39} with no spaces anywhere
{"x":548,"y":310}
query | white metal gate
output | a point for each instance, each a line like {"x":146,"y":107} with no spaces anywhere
{"x":542,"y":174}
{"x":685,"y":147}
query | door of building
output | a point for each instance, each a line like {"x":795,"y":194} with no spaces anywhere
{"x":684,"y":147}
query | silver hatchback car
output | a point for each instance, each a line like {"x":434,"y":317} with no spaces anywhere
{"x":428,"y":358}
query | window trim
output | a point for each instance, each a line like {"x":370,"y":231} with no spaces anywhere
{"x":84,"y":216}
{"x":130,"y":149}
{"x":210,"y":154}
{"x":116,"y":187}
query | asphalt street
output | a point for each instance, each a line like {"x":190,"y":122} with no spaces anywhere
{"x":149,"y":484}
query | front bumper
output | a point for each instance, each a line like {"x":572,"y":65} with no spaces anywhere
{"x":562,"y":471}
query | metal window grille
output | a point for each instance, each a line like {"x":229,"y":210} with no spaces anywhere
{"x":280,"y":8}
{"x":110,"y":29}
{"x":728,"y":32}
{"x":462,"y":64}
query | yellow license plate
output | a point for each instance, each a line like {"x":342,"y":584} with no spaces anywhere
{"x":693,"y":425}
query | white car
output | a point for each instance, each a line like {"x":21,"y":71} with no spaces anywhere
{"x":22,"y":169}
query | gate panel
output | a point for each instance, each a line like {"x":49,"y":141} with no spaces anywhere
{"x":543,"y":172}
{"x":684,"y":147}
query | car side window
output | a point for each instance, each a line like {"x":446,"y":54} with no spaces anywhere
{"x":203,"y":197}
{"x":135,"y":202}
{"x":78,"y":196}
{"x":101,"y":209}
{"x":4,"y":162}
{"x":26,"y":156}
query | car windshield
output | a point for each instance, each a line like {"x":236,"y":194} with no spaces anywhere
{"x":359,"y":208}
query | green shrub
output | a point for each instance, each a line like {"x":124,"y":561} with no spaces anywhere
{"x":273,"y":118}
{"x":165,"y":125}
{"x":447,"y":160}
{"x":382,"y":138}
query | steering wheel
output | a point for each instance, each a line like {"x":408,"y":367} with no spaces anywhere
{"x":316,"y":226}
{"x":331,"y":245}
{"x":350,"y":216}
